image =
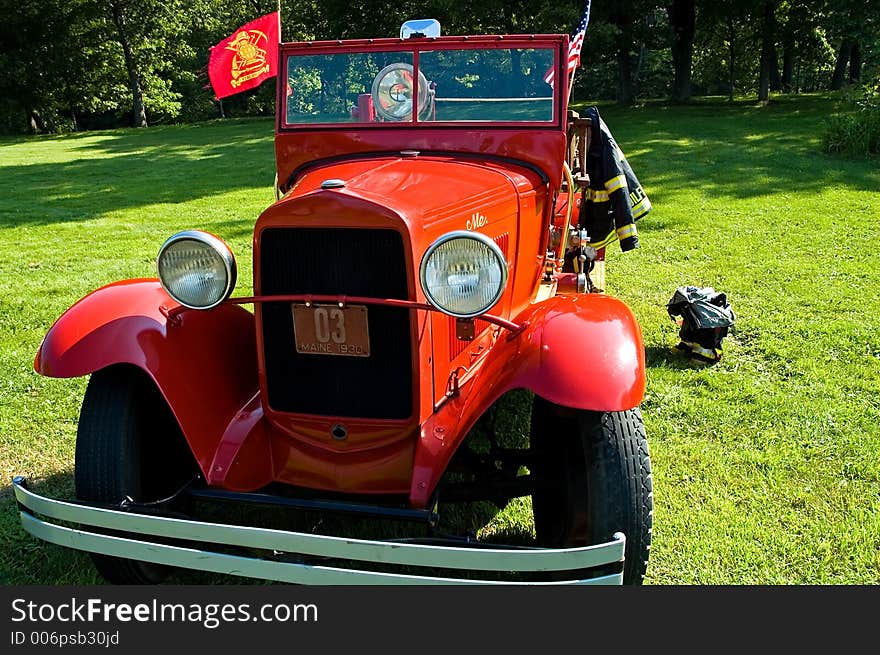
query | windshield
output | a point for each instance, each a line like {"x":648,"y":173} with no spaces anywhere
{"x":506,"y":85}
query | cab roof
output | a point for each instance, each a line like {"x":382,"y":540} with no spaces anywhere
{"x":433,"y":42}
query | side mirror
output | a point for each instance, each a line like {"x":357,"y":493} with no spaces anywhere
{"x":423,"y":27}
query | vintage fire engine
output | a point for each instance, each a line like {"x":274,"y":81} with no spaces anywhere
{"x":422,"y":263}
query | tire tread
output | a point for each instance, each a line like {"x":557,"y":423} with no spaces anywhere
{"x":599,"y":470}
{"x":118,"y":411}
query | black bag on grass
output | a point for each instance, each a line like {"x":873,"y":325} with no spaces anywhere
{"x":706,"y":317}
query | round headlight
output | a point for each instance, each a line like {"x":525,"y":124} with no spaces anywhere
{"x":463,"y":273}
{"x":196,"y":269}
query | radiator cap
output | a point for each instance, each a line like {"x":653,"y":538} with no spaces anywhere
{"x":332,"y":184}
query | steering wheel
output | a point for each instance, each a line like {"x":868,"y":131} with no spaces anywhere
{"x":393,"y":92}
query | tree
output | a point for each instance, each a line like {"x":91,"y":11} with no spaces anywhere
{"x":52,"y":64}
{"x":724,"y":52}
{"x":119,"y":10}
{"x":787,"y":27}
{"x":855,"y":63}
{"x":768,"y":49}
{"x":152,"y":36}
{"x":838,"y":79}
{"x":682,"y":20}
{"x":71,"y":64}
{"x":622,"y":18}
{"x":853,"y":24}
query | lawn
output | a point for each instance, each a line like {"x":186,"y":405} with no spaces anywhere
{"x":766,"y":466}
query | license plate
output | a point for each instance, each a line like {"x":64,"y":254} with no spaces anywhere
{"x":331,"y":330}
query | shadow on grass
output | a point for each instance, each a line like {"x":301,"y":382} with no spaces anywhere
{"x":123,"y":169}
{"x":672,"y":358}
{"x":738,"y":150}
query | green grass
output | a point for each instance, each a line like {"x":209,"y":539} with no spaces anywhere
{"x":78,"y":212}
{"x":766,"y":465}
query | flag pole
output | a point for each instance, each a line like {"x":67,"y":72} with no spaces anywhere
{"x":582,"y":31}
{"x":278,"y":8}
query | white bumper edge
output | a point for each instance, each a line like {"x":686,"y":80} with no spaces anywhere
{"x":93,"y":521}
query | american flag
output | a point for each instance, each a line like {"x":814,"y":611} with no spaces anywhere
{"x":575,"y":44}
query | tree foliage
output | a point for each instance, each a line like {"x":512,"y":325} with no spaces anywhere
{"x":85,"y":64}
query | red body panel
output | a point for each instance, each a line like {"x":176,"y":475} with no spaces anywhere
{"x":541,"y":148}
{"x":204,"y":362}
{"x":584,"y":352}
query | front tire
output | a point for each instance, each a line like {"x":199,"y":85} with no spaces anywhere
{"x":128,"y":445}
{"x":595,"y":480}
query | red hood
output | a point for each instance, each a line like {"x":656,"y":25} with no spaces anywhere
{"x":427,"y":190}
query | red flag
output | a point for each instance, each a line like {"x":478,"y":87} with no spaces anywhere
{"x":247,"y":57}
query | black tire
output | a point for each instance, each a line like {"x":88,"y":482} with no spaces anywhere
{"x":128,"y":444}
{"x":594,"y":476}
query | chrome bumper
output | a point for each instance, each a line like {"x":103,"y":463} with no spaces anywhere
{"x":533,"y":561}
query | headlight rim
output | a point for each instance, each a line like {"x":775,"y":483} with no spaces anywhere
{"x":215,"y":243}
{"x":468,"y":234}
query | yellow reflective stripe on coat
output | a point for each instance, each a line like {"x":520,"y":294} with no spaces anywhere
{"x":604,"y":242}
{"x":642,"y":208}
{"x":705,"y":352}
{"x":626,"y":231}
{"x":597,"y":195}
{"x":615,"y":183}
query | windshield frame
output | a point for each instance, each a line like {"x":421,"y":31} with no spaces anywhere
{"x":554,"y":42}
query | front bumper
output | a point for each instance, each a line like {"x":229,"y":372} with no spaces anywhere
{"x":176,"y":548}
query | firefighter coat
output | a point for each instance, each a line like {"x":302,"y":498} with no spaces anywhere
{"x":615,"y":199}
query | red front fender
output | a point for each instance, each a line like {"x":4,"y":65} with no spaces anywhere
{"x":204,"y":363}
{"x":584,"y":352}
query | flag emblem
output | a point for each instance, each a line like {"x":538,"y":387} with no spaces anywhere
{"x":249,"y":60}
